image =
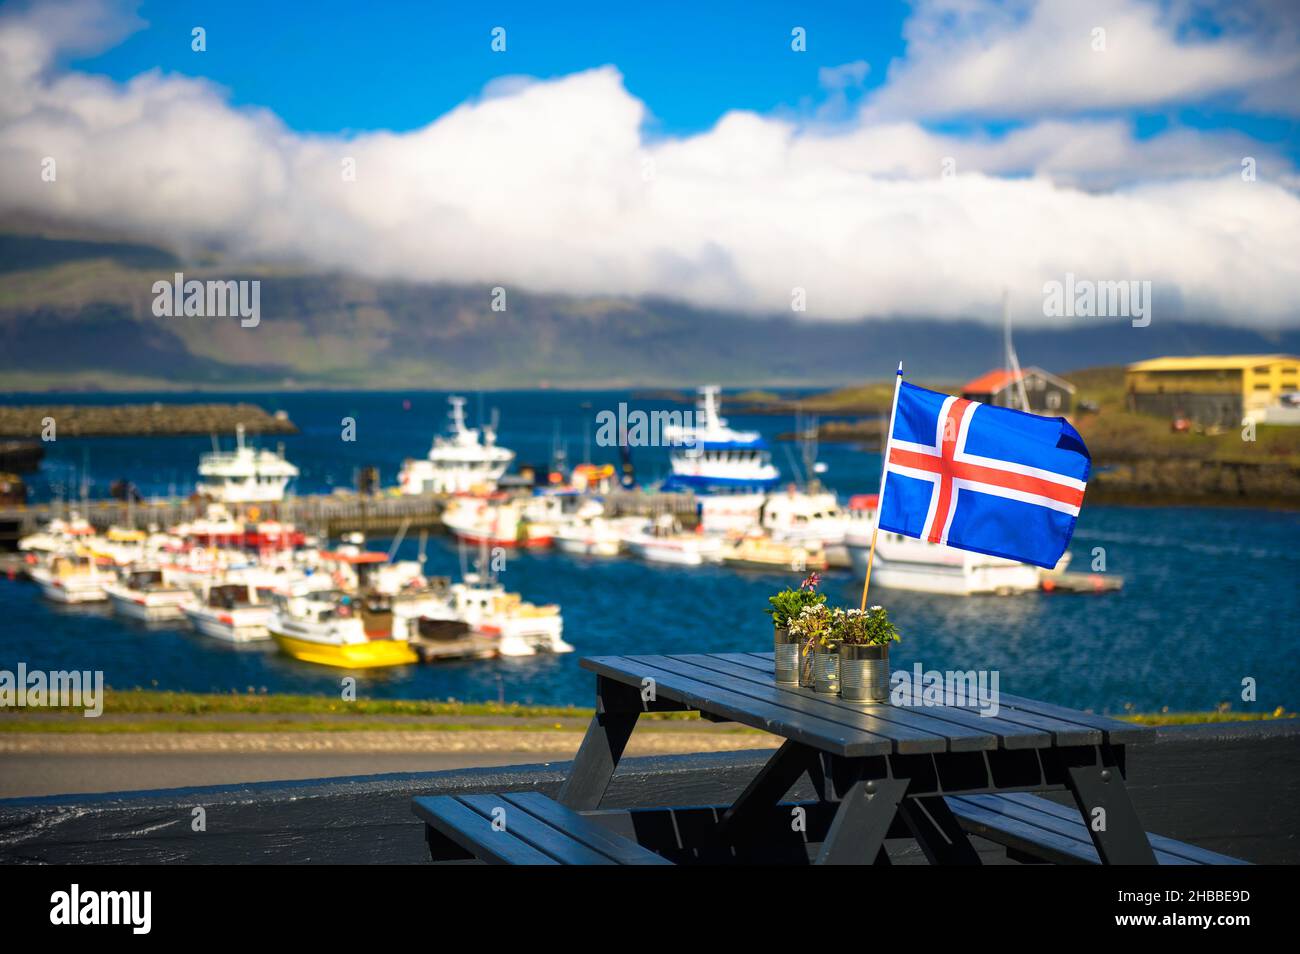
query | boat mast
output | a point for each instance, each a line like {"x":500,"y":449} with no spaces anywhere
{"x":1011,"y":362}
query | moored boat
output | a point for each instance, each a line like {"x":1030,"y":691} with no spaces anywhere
{"x":464,"y":460}
{"x":519,"y":628}
{"x":710,"y":456}
{"x":495,"y":522}
{"x":146,"y":593}
{"x":244,"y":475}
{"x":907,"y":563}
{"x":230,"y":610}
{"x":363,"y":631}
{"x":71,"y":578}
{"x":663,"y":541}
{"x":756,"y":551}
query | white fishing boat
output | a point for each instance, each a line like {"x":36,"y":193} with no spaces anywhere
{"x":495,"y":521}
{"x":710,"y":457}
{"x":464,"y":460}
{"x":146,"y":593}
{"x":794,"y":516}
{"x":593,"y":536}
{"x":71,"y":578}
{"x":57,"y":535}
{"x":757,"y":551}
{"x":519,"y":628}
{"x":907,"y":563}
{"x":663,"y":541}
{"x":230,"y":610}
{"x":244,"y":475}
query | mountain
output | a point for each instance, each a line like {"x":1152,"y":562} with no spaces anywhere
{"x":76,"y":312}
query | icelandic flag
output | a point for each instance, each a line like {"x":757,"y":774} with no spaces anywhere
{"x":978,"y":477}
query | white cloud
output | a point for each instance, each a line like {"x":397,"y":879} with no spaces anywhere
{"x":552,"y":186}
{"x":1038,"y":57}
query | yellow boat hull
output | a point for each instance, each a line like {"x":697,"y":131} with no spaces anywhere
{"x":379,"y":652}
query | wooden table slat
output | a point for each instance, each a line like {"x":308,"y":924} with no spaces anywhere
{"x":458,"y":821}
{"x":585,"y":830}
{"x":780,"y":720}
{"x":908,"y":737}
{"x":1114,"y":731}
{"x":1017,"y":731}
{"x":520,"y":824}
{"x":965,"y":732}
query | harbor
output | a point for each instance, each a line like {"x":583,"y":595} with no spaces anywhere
{"x":554,"y":542}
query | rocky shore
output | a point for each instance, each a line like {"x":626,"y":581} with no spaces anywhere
{"x":139,"y":420}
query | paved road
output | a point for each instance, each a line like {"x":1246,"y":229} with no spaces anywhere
{"x":56,"y":774}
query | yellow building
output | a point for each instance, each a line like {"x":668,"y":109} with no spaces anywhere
{"x":1211,"y":389}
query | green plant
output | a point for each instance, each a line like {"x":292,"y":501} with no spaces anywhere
{"x":855,"y":628}
{"x":788,"y":604}
{"x":812,"y":627}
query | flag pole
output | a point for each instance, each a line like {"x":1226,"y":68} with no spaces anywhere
{"x":880,"y":497}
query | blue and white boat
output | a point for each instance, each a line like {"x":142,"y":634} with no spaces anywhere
{"x":710,"y":457}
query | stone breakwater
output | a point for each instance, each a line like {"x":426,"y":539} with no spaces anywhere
{"x":32,"y":421}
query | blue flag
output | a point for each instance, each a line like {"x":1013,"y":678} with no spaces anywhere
{"x":983,"y":478}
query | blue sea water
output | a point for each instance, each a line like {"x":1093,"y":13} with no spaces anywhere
{"x":1210,"y":596}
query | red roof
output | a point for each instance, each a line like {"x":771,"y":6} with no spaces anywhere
{"x":864,"y":501}
{"x":991,"y":383}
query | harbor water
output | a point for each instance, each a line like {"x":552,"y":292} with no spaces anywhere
{"x":1210,"y":596}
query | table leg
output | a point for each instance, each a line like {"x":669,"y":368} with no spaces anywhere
{"x":857,"y":835}
{"x":1117,"y":834}
{"x":617,"y":708}
{"x":937,"y":831}
{"x":769,"y":786}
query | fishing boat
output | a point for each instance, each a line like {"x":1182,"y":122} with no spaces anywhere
{"x":518,"y":628}
{"x":757,"y":551}
{"x":664,"y":541}
{"x":71,"y":578}
{"x":495,"y":521}
{"x":464,"y":460}
{"x":231,"y":610}
{"x":349,"y":631}
{"x":908,"y":563}
{"x":57,"y":535}
{"x":812,"y":518}
{"x":244,"y":475}
{"x":593,"y":536}
{"x":146,"y":593}
{"x":710,"y":457}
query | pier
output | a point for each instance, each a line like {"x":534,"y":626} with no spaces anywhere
{"x":328,"y":514}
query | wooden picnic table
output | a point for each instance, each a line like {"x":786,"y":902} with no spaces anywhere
{"x":879,"y":770}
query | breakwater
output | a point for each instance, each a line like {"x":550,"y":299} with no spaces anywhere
{"x":157,"y":419}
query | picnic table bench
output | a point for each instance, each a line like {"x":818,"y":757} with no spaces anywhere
{"x":929,"y":773}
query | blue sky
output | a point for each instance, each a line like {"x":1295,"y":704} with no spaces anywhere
{"x":346,"y":67}
{"x":350,"y":66}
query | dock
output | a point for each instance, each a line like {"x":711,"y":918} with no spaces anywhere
{"x":325,"y":514}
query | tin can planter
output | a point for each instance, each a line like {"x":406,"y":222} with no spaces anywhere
{"x":807,"y":660}
{"x":864,"y":673}
{"x":786,"y":652}
{"x":826,"y":670}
